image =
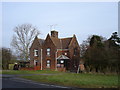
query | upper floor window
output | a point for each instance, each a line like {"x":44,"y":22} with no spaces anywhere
{"x":75,"y":51}
{"x":35,"y":52}
{"x":48,"y":51}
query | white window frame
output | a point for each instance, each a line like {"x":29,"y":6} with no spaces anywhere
{"x":35,"y":62}
{"x":48,"y":51}
{"x":48,"y":63}
{"x":35,"y":52}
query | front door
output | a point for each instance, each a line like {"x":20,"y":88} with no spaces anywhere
{"x":62,"y":63}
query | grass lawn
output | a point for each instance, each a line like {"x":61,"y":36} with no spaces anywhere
{"x":78,"y":80}
{"x":15,"y":72}
{"x":71,"y":79}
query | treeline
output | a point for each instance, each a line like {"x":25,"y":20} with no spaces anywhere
{"x":7,"y":58}
{"x":100,"y":54}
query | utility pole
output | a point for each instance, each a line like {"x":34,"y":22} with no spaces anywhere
{"x":78,"y":69}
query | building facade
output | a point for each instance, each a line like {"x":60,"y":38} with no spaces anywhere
{"x":55,"y":53}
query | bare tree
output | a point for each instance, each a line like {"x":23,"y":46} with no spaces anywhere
{"x":22,"y":39}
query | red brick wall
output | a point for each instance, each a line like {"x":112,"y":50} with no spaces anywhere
{"x":37,"y":46}
{"x":49,"y":44}
{"x":74,"y":58}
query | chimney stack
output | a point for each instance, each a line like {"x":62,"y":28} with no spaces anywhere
{"x":54,"y":34}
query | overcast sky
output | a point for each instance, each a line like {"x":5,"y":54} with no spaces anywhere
{"x":79,"y":18}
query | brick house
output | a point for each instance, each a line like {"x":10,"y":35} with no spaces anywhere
{"x":55,"y":53}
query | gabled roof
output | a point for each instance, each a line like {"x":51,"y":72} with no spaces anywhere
{"x":41,"y":41}
{"x":61,"y":43}
{"x":72,"y":40}
{"x":56,"y":42}
{"x":66,"y":42}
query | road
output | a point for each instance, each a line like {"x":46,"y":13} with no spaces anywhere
{"x":14,"y":83}
{"x":10,"y":81}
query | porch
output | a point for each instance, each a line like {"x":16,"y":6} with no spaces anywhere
{"x":62,"y":63}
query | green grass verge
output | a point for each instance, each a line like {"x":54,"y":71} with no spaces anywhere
{"x":15,"y":72}
{"x":78,"y":80}
{"x":70,"y":79}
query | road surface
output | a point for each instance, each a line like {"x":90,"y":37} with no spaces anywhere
{"x":11,"y":81}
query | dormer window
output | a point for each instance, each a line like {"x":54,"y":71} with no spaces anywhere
{"x":48,"y":51}
{"x":35,"y":52}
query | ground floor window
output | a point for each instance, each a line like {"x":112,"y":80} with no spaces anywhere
{"x":48,"y":63}
{"x":35,"y":62}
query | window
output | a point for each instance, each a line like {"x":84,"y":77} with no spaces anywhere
{"x":75,"y":51}
{"x":65,"y":53}
{"x":62,"y":61}
{"x":48,"y":63}
{"x":35,"y":52}
{"x":35,"y":62}
{"x":48,"y":51}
